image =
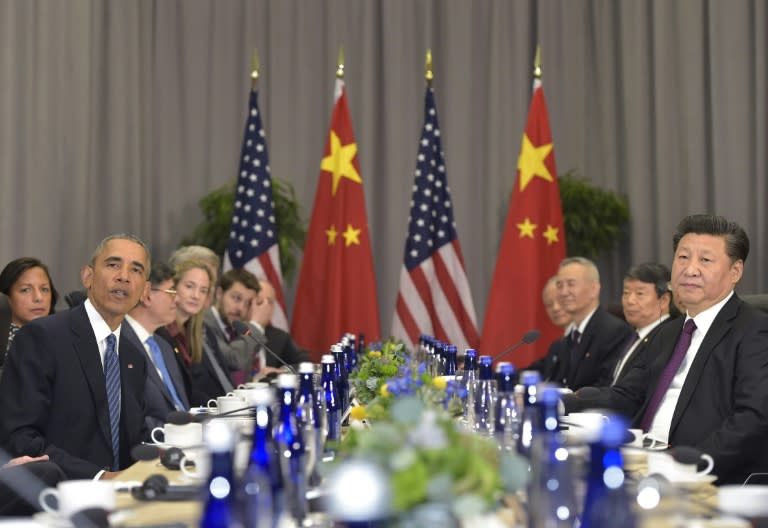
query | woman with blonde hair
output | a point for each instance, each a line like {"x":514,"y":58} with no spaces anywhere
{"x":196,"y":351}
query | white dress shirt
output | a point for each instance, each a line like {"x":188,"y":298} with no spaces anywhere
{"x":642,"y":334}
{"x":662,"y":422}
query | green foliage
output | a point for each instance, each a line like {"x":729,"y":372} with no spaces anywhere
{"x":217,"y":206}
{"x":374,"y":368}
{"x":594,"y":218}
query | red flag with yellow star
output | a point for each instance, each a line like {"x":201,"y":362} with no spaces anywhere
{"x":337,"y":286}
{"x":531,"y":249}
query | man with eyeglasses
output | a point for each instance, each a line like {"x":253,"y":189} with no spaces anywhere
{"x":164,"y":391}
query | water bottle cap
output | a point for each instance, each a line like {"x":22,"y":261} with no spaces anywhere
{"x":287,"y":380}
{"x":506,"y":368}
{"x":335,"y":348}
{"x":485,"y":360}
{"x":470,"y":352}
{"x":262,"y":396}
{"x":549,"y":393}
{"x":530,"y":377}
{"x":327,"y":358}
{"x":614,"y":431}
{"x":305,"y":367}
{"x":218,"y":436}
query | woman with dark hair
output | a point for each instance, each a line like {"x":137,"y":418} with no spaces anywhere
{"x":30,"y":294}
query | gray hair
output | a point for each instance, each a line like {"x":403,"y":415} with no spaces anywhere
{"x":592,"y":271}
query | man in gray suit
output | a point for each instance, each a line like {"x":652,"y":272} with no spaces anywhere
{"x":164,"y":390}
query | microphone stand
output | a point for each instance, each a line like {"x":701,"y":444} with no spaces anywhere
{"x":246,"y":330}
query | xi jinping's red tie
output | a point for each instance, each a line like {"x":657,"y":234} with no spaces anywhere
{"x":665,"y":380}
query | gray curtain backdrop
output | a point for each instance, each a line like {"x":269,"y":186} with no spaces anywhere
{"x":119,"y":115}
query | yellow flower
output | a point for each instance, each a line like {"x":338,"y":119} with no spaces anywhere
{"x":358,"y":412}
{"x":383,"y":390}
{"x":440,"y":382}
{"x":374,"y":353}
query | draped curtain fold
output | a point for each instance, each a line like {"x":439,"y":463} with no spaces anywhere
{"x":119,"y":116}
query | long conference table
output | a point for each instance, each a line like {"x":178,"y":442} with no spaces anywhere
{"x":700,"y":502}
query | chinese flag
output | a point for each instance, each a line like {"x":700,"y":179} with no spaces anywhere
{"x":337,"y":285}
{"x":532,"y":247}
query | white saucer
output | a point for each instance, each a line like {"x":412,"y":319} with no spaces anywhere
{"x":20,"y":522}
{"x":48,"y":519}
{"x":692,"y":480}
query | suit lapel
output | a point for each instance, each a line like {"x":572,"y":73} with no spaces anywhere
{"x":89,"y":356}
{"x":173,"y":371}
{"x":154,"y":377}
{"x":720,"y":326}
{"x":585,"y":342}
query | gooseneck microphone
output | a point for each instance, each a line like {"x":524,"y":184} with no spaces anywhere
{"x":530,"y":337}
{"x":183,"y":418}
{"x":246,"y":330}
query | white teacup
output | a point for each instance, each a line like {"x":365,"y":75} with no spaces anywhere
{"x":196,"y":465}
{"x":186,"y":435}
{"x":674,"y":471}
{"x":225,"y":404}
{"x":75,"y":495}
{"x":585,"y":426}
{"x":644,"y":440}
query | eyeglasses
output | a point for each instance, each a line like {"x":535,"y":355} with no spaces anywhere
{"x":169,"y":291}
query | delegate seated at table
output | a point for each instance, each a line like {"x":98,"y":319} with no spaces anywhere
{"x":703,"y":383}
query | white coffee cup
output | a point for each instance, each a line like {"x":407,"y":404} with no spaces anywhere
{"x":184,"y":435}
{"x":196,"y":465}
{"x":584,"y":426}
{"x":645,"y":440}
{"x":225,"y":404}
{"x":664,"y":464}
{"x":75,"y":495}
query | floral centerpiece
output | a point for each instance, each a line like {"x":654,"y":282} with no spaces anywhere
{"x":428,"y":456}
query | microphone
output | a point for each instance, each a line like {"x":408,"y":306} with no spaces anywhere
{"x":246,"y":330}
{"x":183,"y":418}
{"x":170,"y":458}
{"x":530,"y":337}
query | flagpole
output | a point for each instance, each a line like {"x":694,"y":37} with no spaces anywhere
{"x":340,"y":64}
{"x":537,"y":63}
{"x":255,"y":69}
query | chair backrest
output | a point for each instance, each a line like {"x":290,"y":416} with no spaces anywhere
{"x":758,"y":300}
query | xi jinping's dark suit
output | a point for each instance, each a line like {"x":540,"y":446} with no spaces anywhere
{"x":54,"y":400}
{"x":723,"y":404}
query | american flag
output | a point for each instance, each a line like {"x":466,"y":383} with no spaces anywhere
{"x":253,"y":238}
{"x":434,"y":296}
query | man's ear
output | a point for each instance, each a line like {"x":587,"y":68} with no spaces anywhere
{"x":86,"y":276}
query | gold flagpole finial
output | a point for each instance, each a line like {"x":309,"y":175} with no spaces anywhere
{"x":428,"y":72}
{"x":340,"y":64}
{"x":537,"y":63}
{"x":255,"y":68}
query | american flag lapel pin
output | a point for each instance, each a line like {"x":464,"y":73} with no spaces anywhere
{"x":129,"y":365}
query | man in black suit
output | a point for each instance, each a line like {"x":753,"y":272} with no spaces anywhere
{"x":279,"y":341}
{"x":588,"y":352}
{"x":165,"y":391}
{"x":705,"y":383}
{"x":646,"y":302}
{"x":54,"y":391}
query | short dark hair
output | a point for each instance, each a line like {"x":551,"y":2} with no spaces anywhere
{"x":120,"y":236}
{"x":243,"y":276}
{"x":651,"y":273}
{"x":736,"y":239}
{"x":159,"y":273}
{"x":16,"y":268}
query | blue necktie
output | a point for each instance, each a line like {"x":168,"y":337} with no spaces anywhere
{"x":157,"y":357}
{"x":112,"y":378}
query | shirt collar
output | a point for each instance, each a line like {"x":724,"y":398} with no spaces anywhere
{"x":141,"y":332}
{"x":705,"y":319}
{"x":100,"y":327}
{"x":583,"y":325}
{"x":644,"y":331}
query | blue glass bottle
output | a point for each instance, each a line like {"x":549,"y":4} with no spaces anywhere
{"x":606,"y":501}
{"x":429,"y":355}
{"x":219,"y":509}
{"x":290,"y":445}
{"x":360,"y":348}
{"x":342,"y":381}
{"x":507,"y":426}
{"x":484,"y":397}
{"x":261,"y":487}
{"x":332,"y":402}
{"x":450,"y":360}
{"x":468,"y":381}
{"x":551,"y":495}
{"x":529,"y":420}
{"x":307,"y":419}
